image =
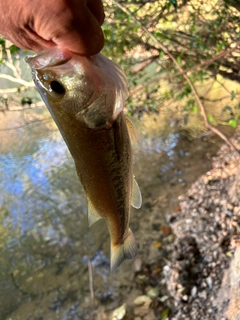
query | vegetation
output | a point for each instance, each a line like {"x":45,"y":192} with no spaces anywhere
{"x":176,"y":53}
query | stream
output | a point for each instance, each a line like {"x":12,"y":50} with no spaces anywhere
{"x":47,"y":250}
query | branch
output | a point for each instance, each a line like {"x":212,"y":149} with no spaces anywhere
{"x":183,"y":72}
{"x":13,"y":68}
{"x":17,"y":80}
{"x":143,"y":63}
{"x":26,"y":124}
{"x":12,"y":90}
{"x":206,"y":63}
{"x":9,"y":63}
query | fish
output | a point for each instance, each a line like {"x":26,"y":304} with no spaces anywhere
{"x":86,"y":98}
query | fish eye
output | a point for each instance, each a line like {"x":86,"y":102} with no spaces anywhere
{"x":57,"y":87}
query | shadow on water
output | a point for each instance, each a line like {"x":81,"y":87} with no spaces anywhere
{"x":46,"y":244}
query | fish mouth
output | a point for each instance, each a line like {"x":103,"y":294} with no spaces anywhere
{"x":54,"y":56}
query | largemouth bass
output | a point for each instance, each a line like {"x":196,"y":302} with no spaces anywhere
{"x":86,"y":96}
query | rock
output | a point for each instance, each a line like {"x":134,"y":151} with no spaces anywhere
{"x":194,"y":291}
{"x":150,"y":316}
{"x":207,"y":234}
{"x":209,"y":282}
{"x":153,"y":293}
{"x":119,"y":313}
{"x":142,"y":300}
{"x":142,"y":306}
{"x":229,"y":294}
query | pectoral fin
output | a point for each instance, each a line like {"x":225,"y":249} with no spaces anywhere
{"x":131,"y":130}
{"x":136,"y":195}
{"x":93,"y":215}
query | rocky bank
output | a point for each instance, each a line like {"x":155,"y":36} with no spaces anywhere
{"x":203,"y":276}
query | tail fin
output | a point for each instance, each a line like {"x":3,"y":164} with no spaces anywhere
{"x":121,"y":252}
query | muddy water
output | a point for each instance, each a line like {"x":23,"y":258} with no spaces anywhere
{"x":46,"y":247}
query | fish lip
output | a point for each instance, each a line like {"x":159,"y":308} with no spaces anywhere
{"x":53,"y":56}
{"x":50,"y":57}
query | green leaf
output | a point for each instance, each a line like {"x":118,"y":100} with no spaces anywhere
{"x":219,"y":46}
{"x":192,"y":79}
{"x":26,"y":100}
{"x":210,"y":118}
{"x":179,"y":61}
{"x":172,"y":3}
{"x":195,"y":110}
{"x":233,"y":95}
{"x":154,"y":106}
{"x":186,"y":91}
{"x":161,"y":54}
{"x":179,"y":96}
{"x":201,"y":74}
{"x":234,"y":122}
{"x":14,"y":49}
{"x":164,"y":314}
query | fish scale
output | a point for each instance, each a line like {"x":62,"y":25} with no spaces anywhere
{"x":86,"y":96}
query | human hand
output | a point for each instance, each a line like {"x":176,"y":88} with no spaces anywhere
{"x":37,"y":25}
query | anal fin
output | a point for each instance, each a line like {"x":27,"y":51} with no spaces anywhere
{"x":121,"y":252}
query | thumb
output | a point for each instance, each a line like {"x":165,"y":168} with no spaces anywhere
{"x":80,"y":34}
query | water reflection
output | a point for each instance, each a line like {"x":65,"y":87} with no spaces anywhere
{"x":161,"y":144}
{"x":45,"y":240}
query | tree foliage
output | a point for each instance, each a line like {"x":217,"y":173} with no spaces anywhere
{"x":144,"y":37}
{"x":202,"y":36}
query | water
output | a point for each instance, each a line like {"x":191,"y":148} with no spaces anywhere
{"x":45,"y":242}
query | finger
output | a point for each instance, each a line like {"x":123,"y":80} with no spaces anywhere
{"x":96,"y":7}
{"x":82,"y":34}
{"x":29,"y":40}
{"x":37,"y":42}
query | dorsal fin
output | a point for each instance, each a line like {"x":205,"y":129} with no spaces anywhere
{"x":131,"y":130}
